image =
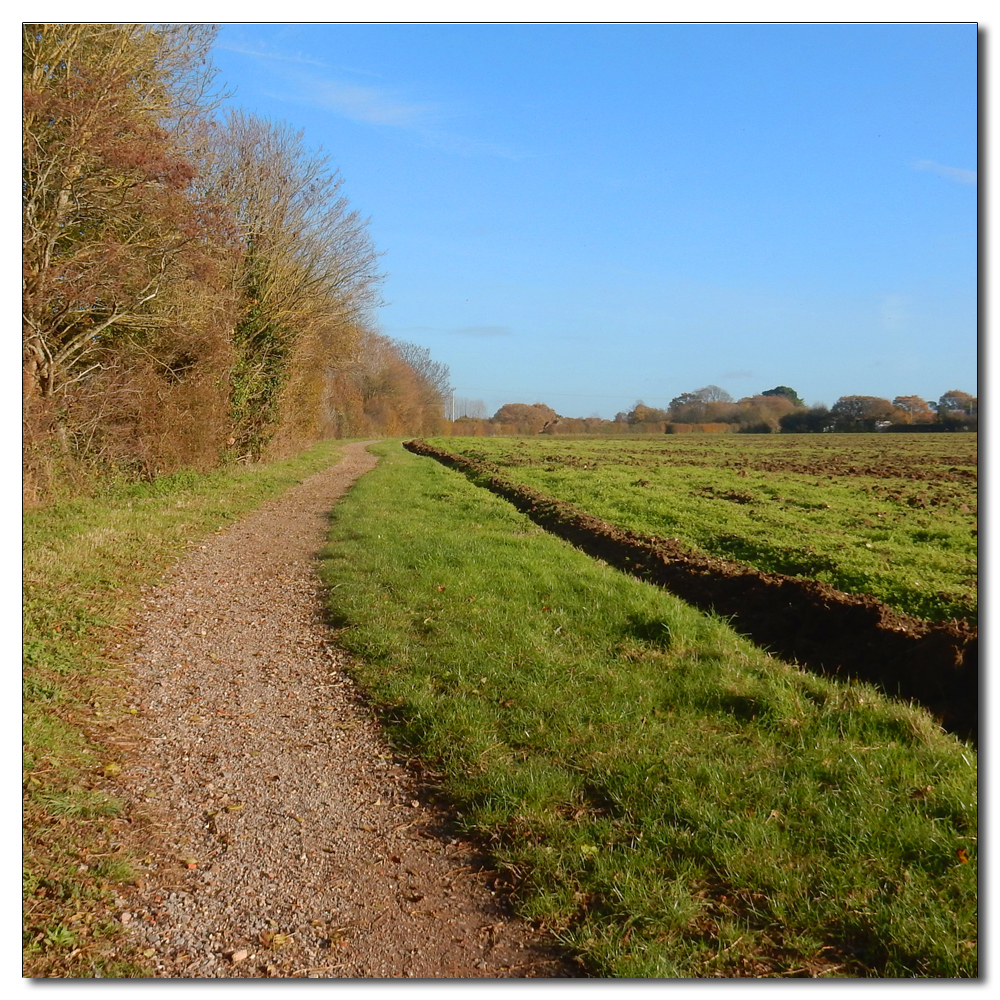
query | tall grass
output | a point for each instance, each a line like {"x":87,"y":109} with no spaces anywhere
{"x":85,"y":562}
{"x":667,"y":798}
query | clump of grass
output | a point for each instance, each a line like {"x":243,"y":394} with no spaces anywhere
{"x":85,"y":562}
{"x":669,"y":800}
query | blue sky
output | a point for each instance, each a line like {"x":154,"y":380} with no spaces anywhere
{"x":586,"y":215}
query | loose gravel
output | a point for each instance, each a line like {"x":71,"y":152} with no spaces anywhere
{"x":281,"y":836}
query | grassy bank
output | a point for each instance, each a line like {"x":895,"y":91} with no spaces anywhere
{"x":85,"y":563}
{"x":667,"y":798}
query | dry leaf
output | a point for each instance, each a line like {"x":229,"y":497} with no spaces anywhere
{"x":274,"y":941}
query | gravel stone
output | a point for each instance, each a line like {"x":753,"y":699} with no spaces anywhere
{"x":281,"y":836}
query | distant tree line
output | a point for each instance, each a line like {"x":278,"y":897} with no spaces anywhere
{"x":195,"y":286}
{"x":713,"y":410}
{"x":781,"y":409}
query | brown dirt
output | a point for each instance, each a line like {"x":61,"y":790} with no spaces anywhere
{"x":917,"y":468}
{"x":281,"y":836}
{"x":798,"y":619}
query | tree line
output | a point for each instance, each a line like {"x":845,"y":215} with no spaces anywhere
{"x":195,"y":286}
{"x":782,"y":409}
{"x":713,"y":410}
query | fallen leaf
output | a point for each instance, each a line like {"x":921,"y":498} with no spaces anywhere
{"x":274,"y":941}
{"x":962,"y":856}
{"x":111,"y":770}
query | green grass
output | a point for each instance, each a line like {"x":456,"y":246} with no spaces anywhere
{"x":85,"y":562}
{"x":889,"y":515}
{"x":669,"y":800}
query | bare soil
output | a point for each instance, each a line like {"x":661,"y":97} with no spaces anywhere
{"x":281,"y":836}
{"x":801,"y":620}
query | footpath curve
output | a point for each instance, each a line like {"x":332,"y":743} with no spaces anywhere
{"x":281,"y":837}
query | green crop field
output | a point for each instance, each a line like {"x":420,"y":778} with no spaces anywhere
{"x":665,"y":797}
{"x":891,"y":515}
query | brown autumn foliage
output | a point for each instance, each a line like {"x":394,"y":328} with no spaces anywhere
{"x":192,"y":291}
{"x":913,"y":410}
{"x":305,"y":277}
{"x":527,"y":419}
{"x":107,"y":222}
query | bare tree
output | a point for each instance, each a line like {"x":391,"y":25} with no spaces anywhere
{"x":475,"y":409}
{"x":307,"y":273}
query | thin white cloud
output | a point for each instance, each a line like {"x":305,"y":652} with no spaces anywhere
{"x":313,"y":81}
{"x":952,"y":173}
{"x":373,"y":105}
{"x":263,"y":51}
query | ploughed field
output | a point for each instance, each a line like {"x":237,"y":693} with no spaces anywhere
{"x":891,"y":516}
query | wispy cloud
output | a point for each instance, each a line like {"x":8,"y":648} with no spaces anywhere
{"x":372,"y":104}
{"x":482,"y":331}
{"x":952,"y":173}
{"x":263,"y":51}
{"x":315,"y":82}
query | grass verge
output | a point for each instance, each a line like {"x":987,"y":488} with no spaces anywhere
{"x":85,"y":564}
{"x":668,"y":799}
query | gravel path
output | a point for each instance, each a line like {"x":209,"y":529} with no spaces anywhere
{"x":282,"y":837}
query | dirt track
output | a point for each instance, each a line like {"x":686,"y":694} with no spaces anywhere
{"x":282,"y":838}
{"x":803,"y":620}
